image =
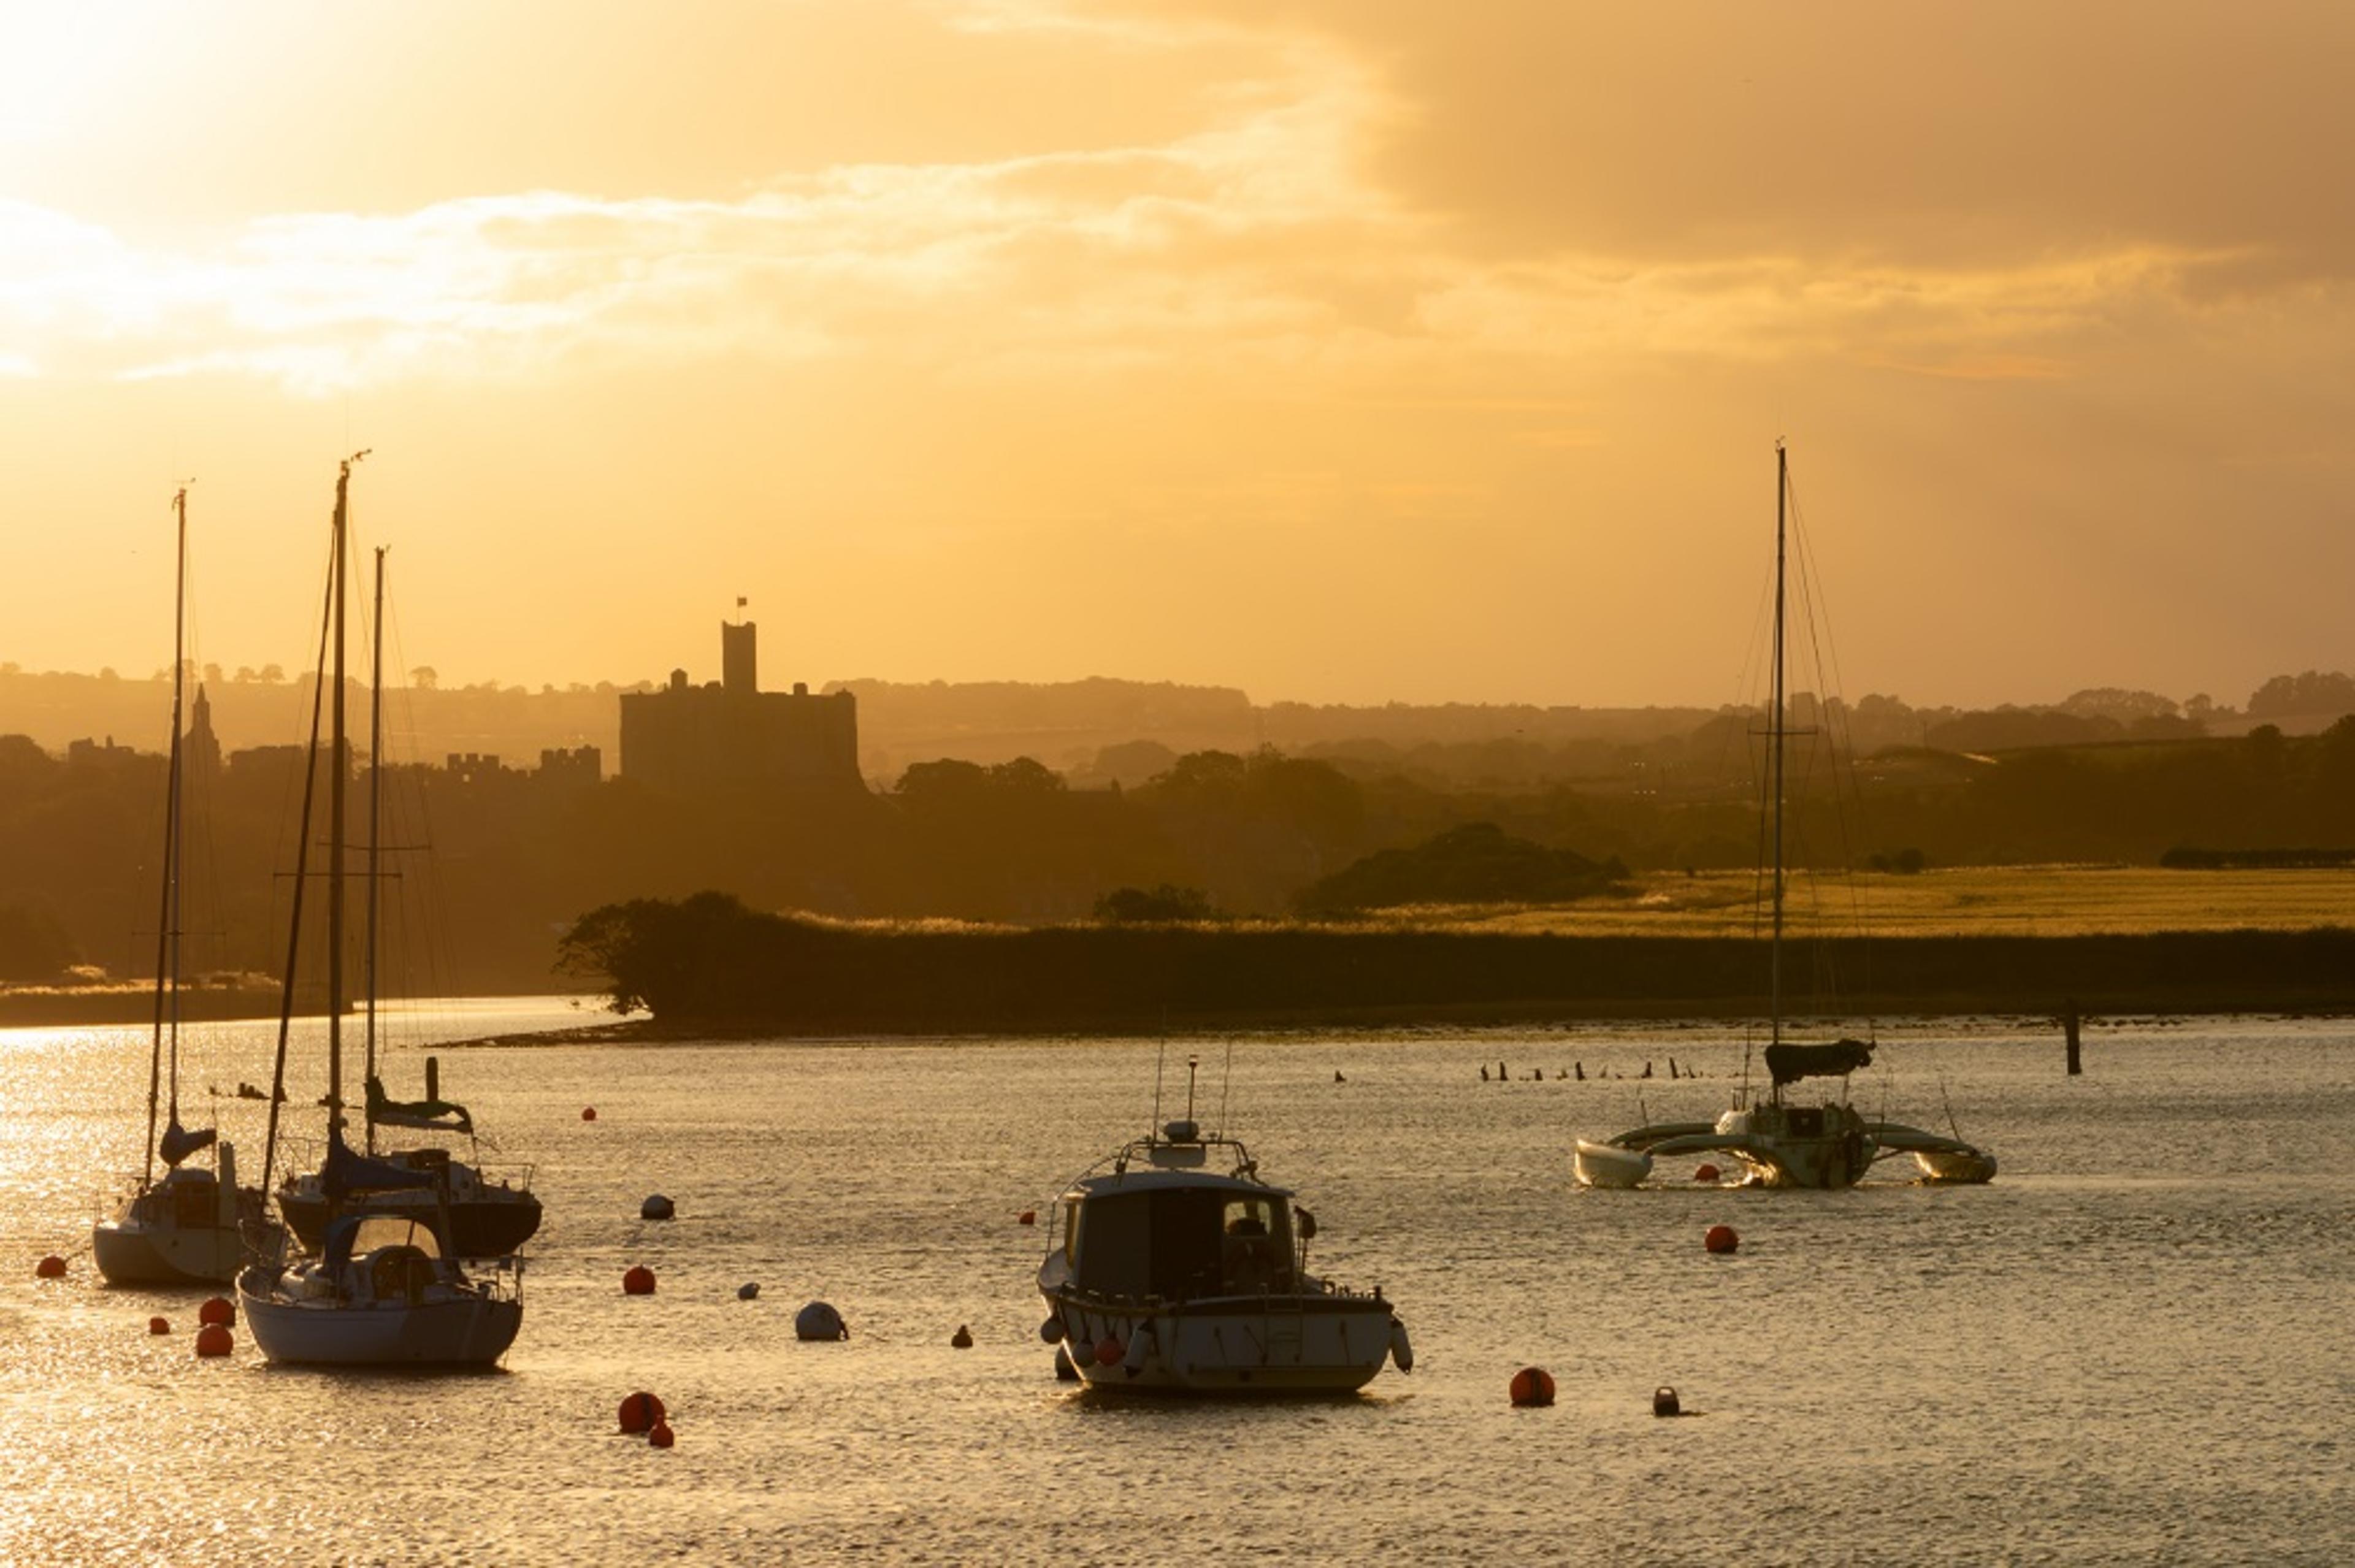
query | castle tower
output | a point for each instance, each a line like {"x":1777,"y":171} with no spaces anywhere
{"x":738,"y":665}
{"x":202,"y":753}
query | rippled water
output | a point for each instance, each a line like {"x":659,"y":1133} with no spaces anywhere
{"x":2135,"y":1346}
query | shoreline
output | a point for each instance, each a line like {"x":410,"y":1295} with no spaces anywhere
{"x":2101,"y":1013}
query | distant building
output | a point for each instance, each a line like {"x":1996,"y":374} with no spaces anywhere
{"x":201,"y":750}
{"x":728,"y":737}
{"x":580,"y":765}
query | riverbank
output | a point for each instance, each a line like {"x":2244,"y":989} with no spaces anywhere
{"x":74,"y":1007}
{"x":716,"y":970}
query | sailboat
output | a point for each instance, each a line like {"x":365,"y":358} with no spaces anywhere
{"x":382,"y":1289}
{"x":488,"y":1218}
{"x":186,"y":1229}
{"x":1778,"y":1140}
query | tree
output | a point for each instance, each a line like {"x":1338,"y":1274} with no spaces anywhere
{"x":425,"y":677}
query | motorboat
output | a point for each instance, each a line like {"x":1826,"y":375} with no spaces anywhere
{"x":1778,"y":1140}
{"x":1173,"y":1268}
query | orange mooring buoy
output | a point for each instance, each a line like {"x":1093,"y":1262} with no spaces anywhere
{"x":50,"y":1267}
{"x":1722,"y":1238}
{"x":642,"y":1413}
{"x":1706,"y":1173}
{"x":639,"y":1281}
{"x":1027,"y":1217}
{"x":659,"y":1435}
{"x":213,"y":1339}
{"x":1531,"y":1387}
{"x":159,"y":1325}
{"x":1109,"y":1350}
{"x":588,"y":1113}
{"x":218,"y":1309}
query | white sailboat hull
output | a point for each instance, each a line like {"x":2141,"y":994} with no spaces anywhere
{"x":132,"y":1251}
{"x":1608,"y":1165}
{"x":461,"y":1328}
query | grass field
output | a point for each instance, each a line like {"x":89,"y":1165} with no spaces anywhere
{"x":2000,"y":900}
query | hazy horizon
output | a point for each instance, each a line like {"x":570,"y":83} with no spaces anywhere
{"x":1339,"y":352}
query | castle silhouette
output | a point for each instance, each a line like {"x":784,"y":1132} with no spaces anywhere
{"x":729,"y":737}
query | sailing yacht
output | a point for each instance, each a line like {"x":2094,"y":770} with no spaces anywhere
{"x":185,"y":1229}
{"x":383,"y":1289}
{"x":1779,"y":1141}
{"x":489,"y":1218}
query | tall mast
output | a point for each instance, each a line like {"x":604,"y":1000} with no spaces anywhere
{"x":337,"y":761}
{"x":167,"y":924}
{"x":375,"y":821}
{"x":1775,"y":730}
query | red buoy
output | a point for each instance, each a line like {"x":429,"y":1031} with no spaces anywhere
{"x":1706,"y":1173}
{"x":1533,"y":1386}
{"x":1722,"y":1238}
{"x":639,"y":1281}
{"x":588,"y":1113}
{"x":642,"y":1413}
{"x":660,"y":1436}
{"x":1027,"y":1217}
{"x":50,"y":1267}
{"x":1109,"y":1350}
{"x":213,"y":1339}
{"x":159,"y":1325}
{"x":218,"y":1309}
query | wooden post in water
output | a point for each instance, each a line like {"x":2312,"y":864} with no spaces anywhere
{"x":2069,"y":1029}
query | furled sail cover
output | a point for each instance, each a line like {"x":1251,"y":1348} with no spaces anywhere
{"x":1789,"y":1063}
{"x":347,"y":1172}
{"x":433,"y":1115}
{"x":178,"y":1143}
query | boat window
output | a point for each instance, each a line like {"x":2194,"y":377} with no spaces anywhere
{"x":1071,"y":1233}
{"x":394,"y":1230}
{"x":1256,"y":1251}
{"x":1114,"y":1257}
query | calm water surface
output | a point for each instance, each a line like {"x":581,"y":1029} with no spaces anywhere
{"x":2133,"y":1348}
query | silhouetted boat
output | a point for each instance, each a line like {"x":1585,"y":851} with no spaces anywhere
{"x":479,"y":1216}
{"x":187,"y":1228}
{"x":1780,"y":1143}
{"x":1165,"y":1275}
{"x":383,"y":1288}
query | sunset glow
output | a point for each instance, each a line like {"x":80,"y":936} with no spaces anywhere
{"x":1339,"y":351}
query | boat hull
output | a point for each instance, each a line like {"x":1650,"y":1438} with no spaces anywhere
{"x":465,"y":1330}
{"x":491,"y":1226}
{"x":132,"y":1251}
{"x":1607,"y":1165}
{"x":1306,"y":1344}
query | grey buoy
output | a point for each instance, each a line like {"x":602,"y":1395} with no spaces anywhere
{"x":1064,"y":1371}
{"x":656,"y":1208}
{"x":1664,"y":1401}
{"x":749,"y":1291}
{"x":819,"y":1320}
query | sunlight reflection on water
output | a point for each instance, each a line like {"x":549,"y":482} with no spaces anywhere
{"x":2133,"y":1346}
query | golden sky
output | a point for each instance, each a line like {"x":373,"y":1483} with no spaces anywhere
{"x":1338,"y":349}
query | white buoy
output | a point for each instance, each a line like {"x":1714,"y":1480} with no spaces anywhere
{"x":1401,"y":1348}
{"x":1141,"y":1344}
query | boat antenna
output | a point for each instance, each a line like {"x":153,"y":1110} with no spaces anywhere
{"x":1226,"y":1082}
{"x":1192,"y":1062}
{"x":1161,"y":1058}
